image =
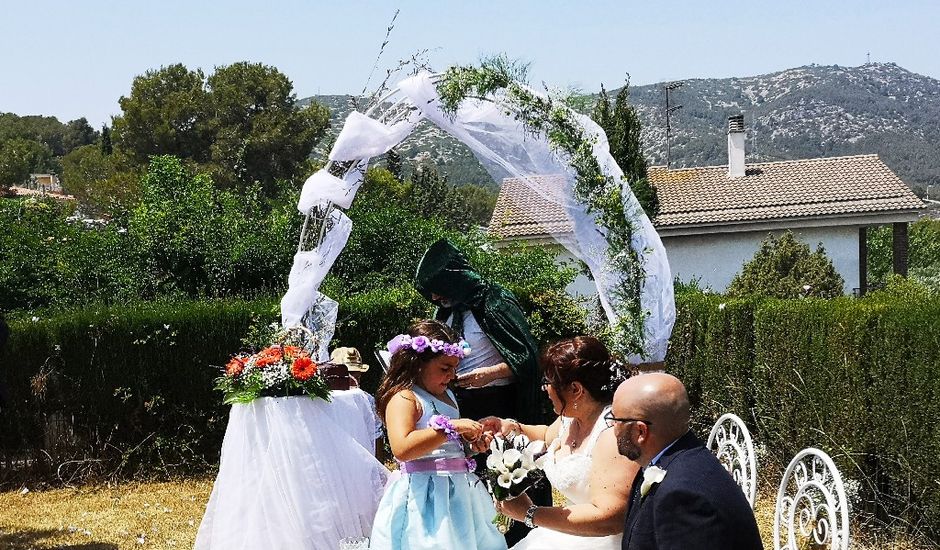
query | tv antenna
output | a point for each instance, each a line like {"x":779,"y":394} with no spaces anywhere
{"x":667,"y":88}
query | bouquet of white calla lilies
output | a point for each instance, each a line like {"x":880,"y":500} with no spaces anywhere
{"x":514,"y":465}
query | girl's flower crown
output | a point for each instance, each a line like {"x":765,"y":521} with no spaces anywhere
{"x":422,"y":343}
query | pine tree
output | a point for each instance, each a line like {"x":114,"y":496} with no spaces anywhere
{"x":105,"y":140}
{"x":393,"y":162}
{"x":622,"y":126}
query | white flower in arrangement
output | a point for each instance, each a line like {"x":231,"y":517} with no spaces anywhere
{"x":652,"y":476}
{"x":504,"y":480}
{"x":511,"y":463}
{"x":275,"y":374}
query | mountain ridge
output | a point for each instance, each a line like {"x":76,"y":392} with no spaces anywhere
{"x":799,"y":113}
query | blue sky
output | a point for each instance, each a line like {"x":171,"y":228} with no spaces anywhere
{"x":72,"y":58}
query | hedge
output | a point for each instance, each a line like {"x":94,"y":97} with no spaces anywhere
{"x":859,"y":379}
{"x":126,"y":391}
{"x":119,"y":391}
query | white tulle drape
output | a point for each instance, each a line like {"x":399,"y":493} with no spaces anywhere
{"x":505,"y":148}
{"x":296,"y":473}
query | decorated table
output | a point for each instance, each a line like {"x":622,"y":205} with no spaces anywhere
{"x":295,"y":472}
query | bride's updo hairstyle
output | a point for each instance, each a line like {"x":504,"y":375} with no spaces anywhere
{"x":586,"y":360}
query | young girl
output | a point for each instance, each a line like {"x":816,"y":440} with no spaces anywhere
{"x":437,"y":502}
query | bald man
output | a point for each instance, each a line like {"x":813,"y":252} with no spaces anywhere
{"x":688,"y":500}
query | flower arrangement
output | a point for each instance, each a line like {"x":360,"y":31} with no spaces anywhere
{"x":513,"y":466}
{"x":281,"y":369}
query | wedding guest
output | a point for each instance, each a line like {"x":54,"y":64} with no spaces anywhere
{"x":583,"y":463}
{"x":438,"y":502}
{"x":353,"y":361}
{"x":683,"y":497}
{"x":500,"y":377}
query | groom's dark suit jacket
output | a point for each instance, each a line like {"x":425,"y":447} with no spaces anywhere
{"x":697,"y":506}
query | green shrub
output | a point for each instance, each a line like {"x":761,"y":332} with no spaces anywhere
{"x":785,"y":268}
{"x":923,"y":257}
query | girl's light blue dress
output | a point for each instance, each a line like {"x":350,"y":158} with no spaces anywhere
{"x":436,"y":510}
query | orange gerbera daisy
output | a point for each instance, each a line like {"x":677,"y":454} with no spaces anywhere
{"x":303,"y":368}
{"x":269,"y":356}
{"x":235,"y":366}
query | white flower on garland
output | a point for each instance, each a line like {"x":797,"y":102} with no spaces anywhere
{"x":652,"y":476}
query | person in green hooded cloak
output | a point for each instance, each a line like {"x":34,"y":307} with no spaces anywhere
{"x":500,"y":376}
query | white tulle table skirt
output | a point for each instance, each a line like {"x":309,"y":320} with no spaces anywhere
{"x":295,"y":473}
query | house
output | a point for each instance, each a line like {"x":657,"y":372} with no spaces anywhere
{"x":712,"y":219}
{"x":42,"y":185}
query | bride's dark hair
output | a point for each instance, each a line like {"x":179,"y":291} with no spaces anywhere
{"x":404,"y":369}
{"x":586,"y":360}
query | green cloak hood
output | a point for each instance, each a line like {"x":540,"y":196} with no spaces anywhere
{"x":445,"y":271}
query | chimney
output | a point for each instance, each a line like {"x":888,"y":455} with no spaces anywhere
{"x":736,"y":146}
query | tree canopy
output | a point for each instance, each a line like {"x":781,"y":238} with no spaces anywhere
{"x":241,"y":123}
{"x":622,"y":126}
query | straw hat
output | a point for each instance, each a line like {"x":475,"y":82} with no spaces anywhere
{"x":349,"y":357}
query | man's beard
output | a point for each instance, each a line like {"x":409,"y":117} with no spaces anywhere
{"x":626,"y":447}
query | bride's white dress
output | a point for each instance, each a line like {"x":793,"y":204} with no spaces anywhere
{"x":569,"y":475}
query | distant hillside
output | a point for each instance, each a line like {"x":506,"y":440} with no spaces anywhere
{"x":807,"y":112}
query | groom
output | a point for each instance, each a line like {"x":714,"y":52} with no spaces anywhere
{"x":682,"y":498}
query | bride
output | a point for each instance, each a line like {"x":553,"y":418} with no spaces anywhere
{"x":583,"y":462}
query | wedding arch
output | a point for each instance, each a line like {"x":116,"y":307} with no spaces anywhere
{"x":514,"y":131}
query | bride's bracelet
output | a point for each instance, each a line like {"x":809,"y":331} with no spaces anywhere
{"x":442,"y":423}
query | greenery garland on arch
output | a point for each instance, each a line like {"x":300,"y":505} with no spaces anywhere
{"x":600,"y":193}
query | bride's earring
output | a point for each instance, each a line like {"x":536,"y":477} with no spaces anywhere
{"x":575,"y":405}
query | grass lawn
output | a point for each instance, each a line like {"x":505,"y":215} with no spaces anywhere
{"x":130,"y":515}
{"x":167,"y":515}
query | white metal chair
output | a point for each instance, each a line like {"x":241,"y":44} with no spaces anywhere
{"x":384,"y":358}
{"x":811,"y":504}
{"x":731,"y":443}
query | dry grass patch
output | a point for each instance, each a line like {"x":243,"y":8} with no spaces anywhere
{"x":131,"y":515}
{"x":167,"y":515}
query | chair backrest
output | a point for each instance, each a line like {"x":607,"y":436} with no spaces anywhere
{"x":811,"y":505}
{"x":384,"y":358}
{"x":731,"y":443}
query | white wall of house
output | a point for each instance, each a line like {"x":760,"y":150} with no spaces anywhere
{"x":716,"y":258}
{"x":581,"y":286}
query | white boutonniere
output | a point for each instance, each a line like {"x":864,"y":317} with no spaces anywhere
{"x":652,"y":476}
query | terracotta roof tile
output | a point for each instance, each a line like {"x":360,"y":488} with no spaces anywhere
{"x":773,"y":190}
{"x":768,"y":191}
